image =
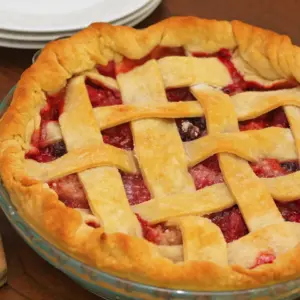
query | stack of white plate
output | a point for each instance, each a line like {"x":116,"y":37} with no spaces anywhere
{"x":30,"y":24}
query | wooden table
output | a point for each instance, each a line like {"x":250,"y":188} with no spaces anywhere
{"x":29,"y":276}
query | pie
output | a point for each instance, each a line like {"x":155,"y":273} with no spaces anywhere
{"x":167,"y":156}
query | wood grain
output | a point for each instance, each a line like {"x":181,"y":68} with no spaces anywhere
{"x":29,"y":276}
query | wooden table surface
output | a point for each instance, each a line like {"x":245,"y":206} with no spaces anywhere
{"x":29,"y":276}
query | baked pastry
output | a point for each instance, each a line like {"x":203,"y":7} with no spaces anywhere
{"x":167,"y":156}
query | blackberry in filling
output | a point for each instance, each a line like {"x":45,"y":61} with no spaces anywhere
{"x":48,"y":153}
{"x":191,"y":128}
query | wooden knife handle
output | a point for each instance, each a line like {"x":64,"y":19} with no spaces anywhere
{"x":3,"y":266}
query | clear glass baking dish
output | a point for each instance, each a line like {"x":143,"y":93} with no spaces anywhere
{"x":111,"y":287}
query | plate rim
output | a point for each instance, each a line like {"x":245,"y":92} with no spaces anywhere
{"x":42,"y":37}
{"x":16,"y":20}
{"x":19,"y":44}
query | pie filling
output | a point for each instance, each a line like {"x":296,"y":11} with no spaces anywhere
{"x":47,"y":153}
{"x":119,"y":136}
{"x":70,"y":190}
{"x":179,"y":94}
{"x":191,"y":128}
{"x":158,"y":52}
{"x":160,"y":234}
{"x":135,"y":188}
{"x":264,"y":258}
{"x":276,"y":118}
{"x":101,"y":95}
{"x":108,"y":70}
{"x":239,"y":83}
{"x":231,"y":223}
{"x":40,"y":150}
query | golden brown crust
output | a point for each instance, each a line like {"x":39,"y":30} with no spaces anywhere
{"x":271,"y":55}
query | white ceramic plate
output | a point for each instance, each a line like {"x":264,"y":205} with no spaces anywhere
{"x":62,"y":15}
{"x":40,"y":44}
{"x":33,"y":37}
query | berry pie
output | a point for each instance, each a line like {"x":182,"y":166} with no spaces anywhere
{"x":168,"y":156}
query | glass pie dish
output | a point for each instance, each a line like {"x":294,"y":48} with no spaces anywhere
{"x":111,"y":287}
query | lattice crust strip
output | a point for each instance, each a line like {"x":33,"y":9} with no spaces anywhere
{"x":293,"y":115}
{"x":81,"y":159}
{"x":158,"y":146}
{"x":108,"y":199}
{"x":211,"y":199}
{"x":202,"y":202}
{"x":249,"y":105}
{"x":252,"y":145}
{"x":202,"y":240}
{"x":187,"y":71}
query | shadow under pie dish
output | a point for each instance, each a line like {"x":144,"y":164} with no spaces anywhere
{"x":166,"y":156}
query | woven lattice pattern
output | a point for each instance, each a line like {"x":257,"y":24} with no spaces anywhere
{"x":163,"y":159}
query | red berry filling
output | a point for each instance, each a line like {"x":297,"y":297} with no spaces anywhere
{"x":231,"y":223}
{"x":40,"y":151}
{"x":92,"y":224}
{"x":276,"y":118}
{"x":161,"y":52}
{"x":160,"y":234}
{"x":70,"y":191}
{"x":101,"y":95}
{"x":221,"y":54}
{"x":119,"y":136}
{"x":179,"y":94}
{"x":48,"y":153}
{"x":269,"y":168}
{"x":54,"y":107}
{"x":158,"y":52}
{"x":264,"y":258}
{"x":135,"y":188}
{"x":290,"y":211}
{"x":239,"y":83}
{"x":108,"y":70}
{"x":206,"y":173}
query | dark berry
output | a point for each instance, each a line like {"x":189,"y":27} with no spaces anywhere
{"x":58,"y":149}
{"x":224,"y":53}
{"x":290,"y":166}
{"x":191,"y":128}
{"x":199,"y":122}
